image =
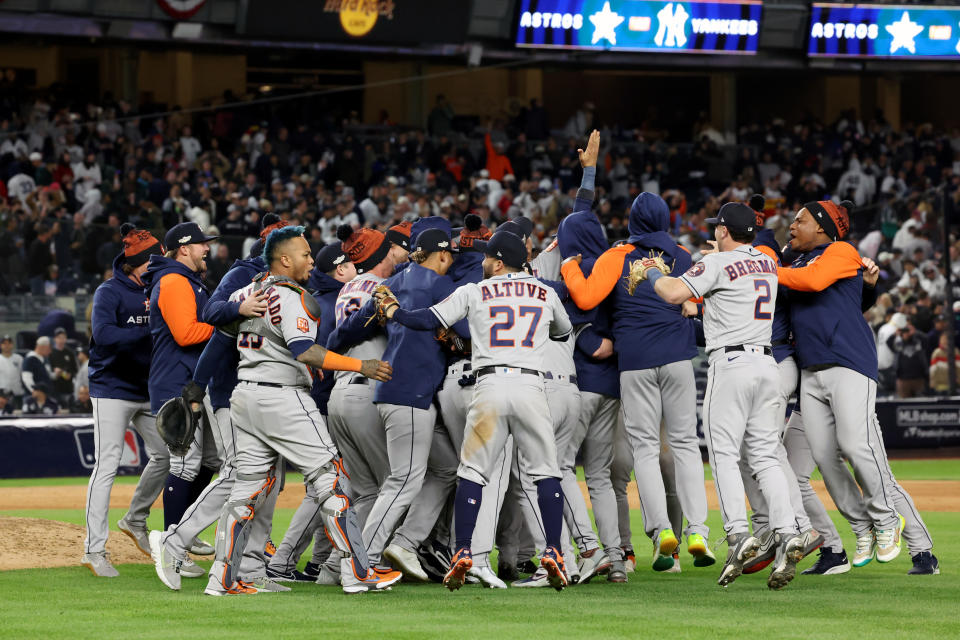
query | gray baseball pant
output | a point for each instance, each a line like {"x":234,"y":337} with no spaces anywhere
{"x":111,"y":417}
{"x":409,"y":433}
{"x":740,"y":414}
{"x":668,"y":471}
{"x":668,"y":392}
{"x":620,"y":472}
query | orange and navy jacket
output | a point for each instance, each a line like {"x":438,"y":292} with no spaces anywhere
{"x":647,"y":331}
{"x":826,"y":294}
{"x":177,"y":296}
{"x":781,"y":335}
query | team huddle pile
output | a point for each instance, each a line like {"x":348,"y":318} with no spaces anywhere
{"x":584,"y":348}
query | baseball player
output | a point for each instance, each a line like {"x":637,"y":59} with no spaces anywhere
{"x":511,"y":316}
{"x":739,"y":288}
{"x":837,"y":357}
{"x":177,"y":295}
{"x":119,"y":368}
{"x":655,"y":344}
{"x":399,"y":237}
{"x":332,"y":269}
{"x":275,"y":416}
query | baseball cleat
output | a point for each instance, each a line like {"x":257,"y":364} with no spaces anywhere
{"x":190,"y":569}
{"x":866,"y":549}
{"x":812,"y":540}
{"x":375,"y":580}
{"x":311,"y":570}
{"x":99,"y":564}
{"x":538,"y":579}
{"x":328,"y":577}
{"x":238,"y":588}
{"x":591,"y":563}
{"x":789,"y":553}
{"x":435,"y":559}
{"x":406,"y":561}
{"x":697,"y":546}
{"x":629,"y":558}
{"x":890,"y":541}
{"x":289,"y":576}
{"x":165,"y":564}
{"x":200,"y":548}
{"x":459,"y":566}
{"x":617,"y":572}
{"x":528,"y":567}
{"x":552,"y":561}
{"x":663,"y":547}
{"x":264,"y":584}
{"x":765,"y":553}
{"x":741,"y":547}
{"x":486,"y":577}
{"x":829,"y":563}
{"x":676,"y":563}
{"x":924,"y":564}
{"x":269,"y":549}
{"x":139,"y":535}
{"x":507,"y":572}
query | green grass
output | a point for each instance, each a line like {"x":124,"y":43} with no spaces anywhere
{"x":875,"y":601}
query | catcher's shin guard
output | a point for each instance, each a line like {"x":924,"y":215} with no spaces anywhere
{"x":232,"y":531}
{"x":344,"y":531}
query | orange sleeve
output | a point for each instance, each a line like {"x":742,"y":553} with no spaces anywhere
{"x":839,"y":261}
{"x":178,"y":306}
{"x":336,"y":362}
{"x":767,"y":250}
{"x":587,"y":293}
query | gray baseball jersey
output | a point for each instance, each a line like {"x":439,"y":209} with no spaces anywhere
{"x":264,"y":342}
{"x":727,"y":280}
{"x":353,"y":296}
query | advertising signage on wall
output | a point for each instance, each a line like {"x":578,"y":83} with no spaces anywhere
{"x":884,"y":31}
{"x":640,"y":25}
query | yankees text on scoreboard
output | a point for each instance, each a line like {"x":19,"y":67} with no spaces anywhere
{"x":641,"y":25}
{"x":884,"y":31}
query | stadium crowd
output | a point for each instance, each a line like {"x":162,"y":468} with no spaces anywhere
{"x":71,"y":174}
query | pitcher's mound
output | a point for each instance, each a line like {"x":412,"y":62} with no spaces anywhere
{"x":33,"y":543}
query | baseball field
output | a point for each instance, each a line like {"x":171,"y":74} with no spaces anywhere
{"x":44,"y":593}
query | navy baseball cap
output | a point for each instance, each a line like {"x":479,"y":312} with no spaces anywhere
{"x":506,"y":246}
{"x":519,"y":226}
{"x":185,"y":233}
{"x":330,"y":257}
{"x":735,"y":216}
{"x":432,"y":240}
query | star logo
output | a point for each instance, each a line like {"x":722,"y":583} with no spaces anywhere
{"x":605,"y":23}
{"x":903,"y":32}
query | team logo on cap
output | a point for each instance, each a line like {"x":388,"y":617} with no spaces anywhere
{"x":443,"y":244}
{"x":340,"y":258}
{"x":184,"y":240}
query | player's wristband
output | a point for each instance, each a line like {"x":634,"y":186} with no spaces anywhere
{"x":336,"y":362}
{"x":653,"y":274}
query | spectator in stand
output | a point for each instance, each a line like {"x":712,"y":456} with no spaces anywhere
{"x":63,"y":361}
{"x":498,"y":164}
{"x":939,"y":368}
{"x":82,"y":378}
{"x":39,"y":258}
{"x":40,"y":403}
{"x":11,"y":365}
{"x":36,"y":366}
{"x":886,"y":356}
{"x":82,"y":403}
{"x":6,"y":405}
{"x":912,"y":367}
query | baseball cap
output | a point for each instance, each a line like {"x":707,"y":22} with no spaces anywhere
{"x":330,"y":257}
{"x":473,"y":231}
{"x":505,"y":246}
{"x":185,"y":233}
{"x":365,"y":248}
{"x":35,"y":156}
{"x":899,"y":320}
{"x":735,"y":216}
{"x":6,"y":338}
{"x":59,"y":330}
{"x":138,"y":245}
{"x":399,"y":234}
{"x":833,"y":218}
{"x":432,"y":240}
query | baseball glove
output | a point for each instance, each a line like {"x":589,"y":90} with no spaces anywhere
{"x":384,"y":299}
{"x":176,"y":423}
{"x":639,"y":269}
{"x":450,"y":342}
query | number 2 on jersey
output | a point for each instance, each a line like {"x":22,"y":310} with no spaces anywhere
{"x":762,"y":299}
{"x":496,"y":340}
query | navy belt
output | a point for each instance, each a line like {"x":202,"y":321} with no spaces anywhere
{"x":482,"y":371}
{"x":275,"y":385}
{"x":358,"y":380}
{"x":549,"y":376}
{"x":781,"y":343}
{"x":766,"y":350}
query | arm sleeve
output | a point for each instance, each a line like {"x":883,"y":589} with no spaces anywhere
{"x":220,"y":310}
{"x":422,"y":319}
{"x":560,"y":327}
{"x":106,"y":331}
{"x":444,"y":288}
{"x":840,"y":260}
{"x":868,"y":297}
{"x":219,"y":350}
{"x":587,"y":293}
{"x":297,"y":325}
{"x":450,"y":310}
{"x":178,"y":306}
{"x":702,"y":277}
{"x":354,"y":329}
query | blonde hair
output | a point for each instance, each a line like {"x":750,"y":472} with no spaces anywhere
{"x":418,"y":256}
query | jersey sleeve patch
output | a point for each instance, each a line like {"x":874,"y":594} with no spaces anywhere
{"x":303,"y":325}
{"x":695,"y":270}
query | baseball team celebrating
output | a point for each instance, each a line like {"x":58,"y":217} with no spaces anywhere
{"x":434,"y":386}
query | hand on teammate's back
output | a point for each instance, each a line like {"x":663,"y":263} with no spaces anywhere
{"x":689,"y":309}
{"x":605,"y":350}
{"x":588,"y":157}
{"x":255,"y":305}
{"x":713,"y":248}
{"x":377,"y":369}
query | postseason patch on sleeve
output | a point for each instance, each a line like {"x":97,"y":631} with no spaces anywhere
{"x":303,"y":325}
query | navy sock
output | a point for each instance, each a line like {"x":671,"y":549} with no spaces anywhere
{"x":200,"y":483}
{"x":550,"y":499}
{"x":466,"y":507}
{"x":176,"y":499}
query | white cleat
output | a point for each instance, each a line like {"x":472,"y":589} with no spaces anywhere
{"x":486,"y":577}
{"x":99,"y":564}
{"x":166,"y":565}
{"x":406,"y":561}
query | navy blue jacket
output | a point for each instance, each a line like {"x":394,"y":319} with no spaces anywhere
{"x":467,"y":268}
{"x":325,"y":291}
{"x":417,"y":359}
{"x":171,"y":366}
{"x":221,"y":311}
{"x":120,"y":344}
{"x":782,"y":336}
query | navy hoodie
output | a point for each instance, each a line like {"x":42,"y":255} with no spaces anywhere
{"x":171,"y":366}
{"x":325,"y":290}
{"x":120,"y":344}
{"x":782,"y":336}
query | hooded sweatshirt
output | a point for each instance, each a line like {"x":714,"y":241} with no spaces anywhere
{"x":120,"y":344}
{"x":648,"y":331}
{"x":177,"y":296}
{"x":781,"y":337}
{"x":325,"y":290}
